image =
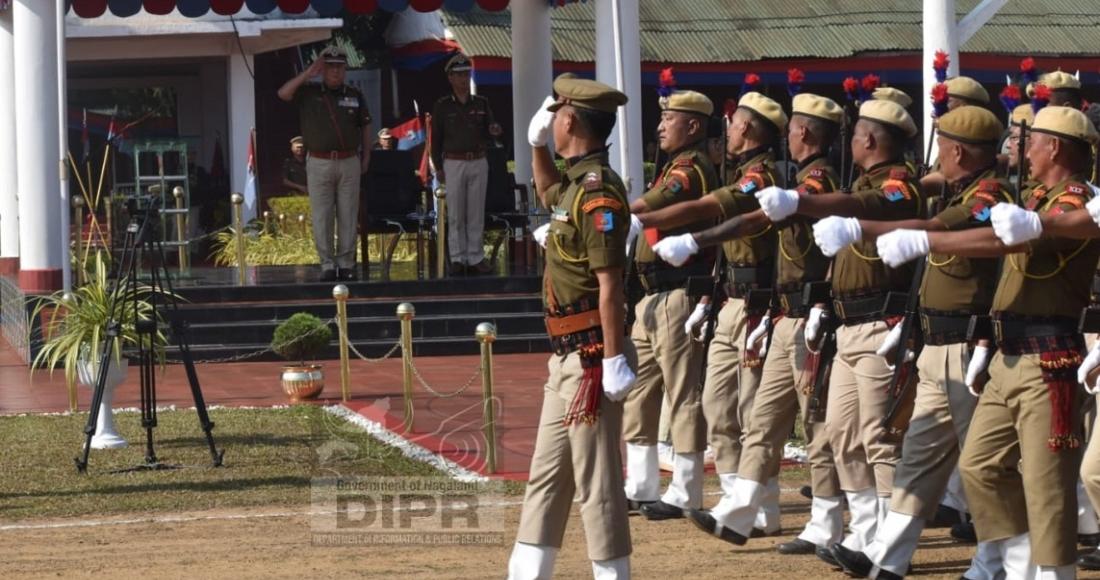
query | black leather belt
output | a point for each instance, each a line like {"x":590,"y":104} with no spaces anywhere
{"x":659,"y":281}
{"x":944,"y":328}
{"x":1008,"y":329}
{"x":792,"y":304}
{"x":858,"y":310}
{"x":743,"y":278}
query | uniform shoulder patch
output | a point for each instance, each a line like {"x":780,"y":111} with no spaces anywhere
{"x":986,"y":198}
{"x":1073,"y":200}
{"x":593,"y":181}
{"x":602,"y":202}
{"x":603,"y":221}
{"x":750,"y":183}
{"x":980,"y":212}
{"x":895,"y":190}
{"x":989,"y":186}
{"x":899,"y":173}
{"x":1077,"y":188}
{"x":817,"y":173}
{"x":678,"y":180}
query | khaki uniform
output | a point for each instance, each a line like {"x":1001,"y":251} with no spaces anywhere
{"x":779,"y":395}
{"x":1020,"y":462}
{"x":732,"y":376}
{"x":858,"y":398}
{"x":460,"y":138}
{"x":668,"y":362}
{"x":582,"y":460}
{"x":954,"y":288}
{"x":332,"y":123}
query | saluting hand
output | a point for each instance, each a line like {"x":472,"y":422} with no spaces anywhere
{"x":901,"y":246}
{"x":834,"y":233}
{"x":316,"y":68}
{"x":676,"y":249}
{"x":778,"y":204}
{"x":538,"y":131}
{"x":1014,"y":224}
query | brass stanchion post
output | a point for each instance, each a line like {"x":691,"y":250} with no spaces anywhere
{"x":181,"y":230}
{"x":441,"y":230}
{"x":282,"y":224}
{"x":302,"y":224}
{"x":78,"y":209}
{"x":340,"y":294}
{"x":486,"y":334}
{"x":267,"y":221}
{"x":238,"y":224}
{"x":406,"y":313}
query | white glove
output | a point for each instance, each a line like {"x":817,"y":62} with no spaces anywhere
{"x":1014,"y":224}
{"x":778,"y":204}
{"x":890,"y":344}
{"x":760,"y":334}
{"x":978,"y":363}
{"x":538,"y":132}
{"x":1094,"y":209}
{"x":618,"y":379}
{"x":1087,"y":366}
{"x":676,"y":249}
{"x":697,"y":316}
{"x":833,"y":233}
{"x":901,"y":246}
{"x":635,"y":229}
{"x":812,"y":331}
{"x":540,"y":234}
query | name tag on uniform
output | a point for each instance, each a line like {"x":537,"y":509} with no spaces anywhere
{"x":559,"y":214}
{"x":349,"y":102}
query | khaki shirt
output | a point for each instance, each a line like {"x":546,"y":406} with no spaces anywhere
{"x":1053,"y":277}
{"x":459,"y":128}
{"x":589,"y":220}
{"x":801,"y":260}
{"x":751,"y":175}
{"x":331,"y":120}
{"x":888,"y":192}
{"x":958,"y":284}
{"x":687,"y":176}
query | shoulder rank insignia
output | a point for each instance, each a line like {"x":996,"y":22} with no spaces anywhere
{"x":593,"y":181}
{"x":895,"y":190}
{"x":980,"y":212}
{"x":604,"y":202}
{"x":750,"y":183}
{"x":817,"y":173}
{"x":683,"y":162}
{"x":1076,"y":188}
{"x":989,"y":186}
{"x":603,"y":221}
{"x":899,"y":173}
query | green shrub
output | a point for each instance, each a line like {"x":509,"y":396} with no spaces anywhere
{"x":301,"y":337}
{"x":291,"y":205}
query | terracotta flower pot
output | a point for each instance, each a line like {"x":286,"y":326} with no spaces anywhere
{"x":303,"y":382}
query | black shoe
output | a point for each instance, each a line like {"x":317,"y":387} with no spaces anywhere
{"x":946,"y":517}
{"x":854,"y":562}
{"x":759,"y":533}
{"x":634,"y":507}
{"x":806,"y":491}
{"x":796,"y":547}
{"x":458,"y":269}
{"x":348,"y":274}
{"x":1090,"y":561}
{"x":328,"y":275}
{"x":964,"y":533}
{"x":706,"y":522}
{"x":660,"y":510}
{"x":826,"y":555}
{"x":1089,"y":540}
{"x":482,"y":268}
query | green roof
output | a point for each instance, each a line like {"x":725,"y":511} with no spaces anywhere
{"x":711,"y":31}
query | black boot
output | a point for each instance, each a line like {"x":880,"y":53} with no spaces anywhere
{"x":706,"y":522}
{"x":660,"y":510}
{"x":797,"y":546}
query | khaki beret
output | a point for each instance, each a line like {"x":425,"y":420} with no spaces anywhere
{"x":587,"y":94}
{"x":688,"y":102}
{"x":892,"y":94}
{"x":811,"y":105}
{"x":888,"y":113}
{"x":967,"y":88}
{"x":971,"y":124}
{"x":458,"y":64}
{"x":1023,"y":113}
{"x":385,"y":134}
{"x":1065,"y":122}
{"x":334,"y":55}
{"x":296,"y":140}
{"x":765,"y":107}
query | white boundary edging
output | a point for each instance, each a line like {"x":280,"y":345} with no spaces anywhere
{"x":408,"y":448}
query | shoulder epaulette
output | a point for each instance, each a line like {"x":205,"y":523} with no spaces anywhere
{"x":1077,"y":188}
{"x":899,"y":173}
{"x":989,"y":186}
{"x":817,"y":173}
{"x":683,"y":162}
{"x":592,"y":182}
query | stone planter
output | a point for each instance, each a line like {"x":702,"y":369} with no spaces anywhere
{"x":303,"y":382}
{"x":105,"y":435}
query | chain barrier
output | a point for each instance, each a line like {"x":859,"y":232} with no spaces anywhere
{"x":396,"y":347}
{"x":462,"y":389}
{"x":246,"y":355}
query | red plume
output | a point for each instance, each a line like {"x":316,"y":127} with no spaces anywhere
{"x":1042,"y":93}
{"x":1011,"y":92}
{"x":941,"y":62}
{"x":667,"y":79}
{"x":752,"y":79}
{"x":795,"y":76}
{"x":869,"y":83}
{"x":728,"y":108}
{"x":1027,"y":64}
{"x":851,"y":85}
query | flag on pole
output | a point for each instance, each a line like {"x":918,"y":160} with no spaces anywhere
{"x":250,"y":182}
{"x":409,"y":134}
{"x":426,"y":157}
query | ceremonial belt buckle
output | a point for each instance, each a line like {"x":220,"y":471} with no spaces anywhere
{"x":784,"y":303}
{"x":925,"y":322}
{"x":998,"y":330}
{"x":838,"y":308}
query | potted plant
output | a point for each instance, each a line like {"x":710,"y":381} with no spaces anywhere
{"x":74,"y":328}
{"x":300,"y":338}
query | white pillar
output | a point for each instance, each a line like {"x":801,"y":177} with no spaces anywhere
{"x":9,"y":208}
{"x":626,"y":146}
{"x":41,"y":252}
{"x":939,"y":31}
{"x":242,"y":118}
{"x":532,"y":72}
{"x":62,"y":147}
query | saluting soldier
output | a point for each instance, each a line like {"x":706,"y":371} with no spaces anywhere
{"x":858,"y":386}
{"x":954,"y":289}
{"x":577,"y":447}
{"x":1020,"y":462}
{"x":668,"y":365}
{"x":813,"y":126}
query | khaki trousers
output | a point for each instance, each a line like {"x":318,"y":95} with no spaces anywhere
{"x":941,"y":417}
{"x":334,"y":197}
{"x":668,"y":363}
{"x":467,"y":182}
{"x":777,"y":401}
{"x":1014,"y":483}
{"x":582,"y":461}
{"x":1090,"y":464}
{"x":858,"y":400}
{"x":729,"y":388}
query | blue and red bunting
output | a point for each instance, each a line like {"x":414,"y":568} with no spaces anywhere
{"x":196,"y":8}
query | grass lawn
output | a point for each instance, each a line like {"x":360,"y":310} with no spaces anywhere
{"x":270,"y":456}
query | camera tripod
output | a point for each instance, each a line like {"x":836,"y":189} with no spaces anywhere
{"x":141,"y":240}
